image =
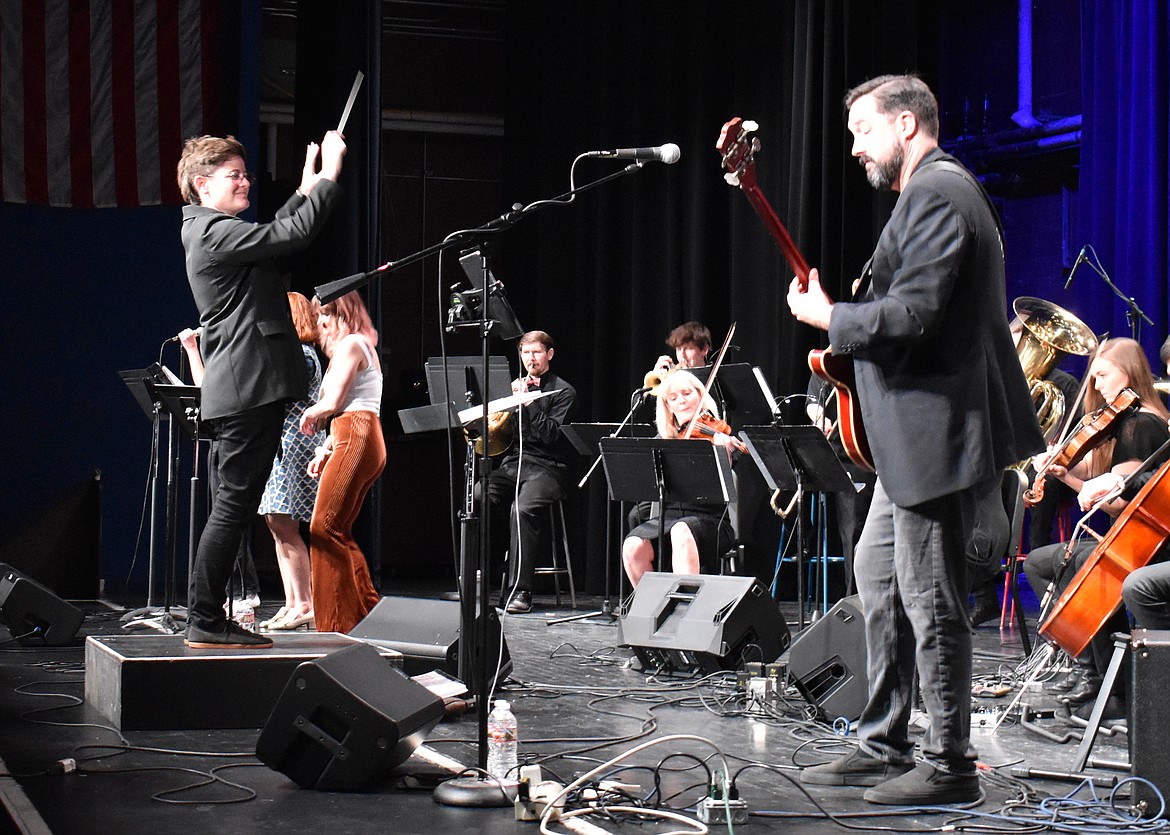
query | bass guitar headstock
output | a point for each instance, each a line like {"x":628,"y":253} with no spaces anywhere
{"x":738,"y":148}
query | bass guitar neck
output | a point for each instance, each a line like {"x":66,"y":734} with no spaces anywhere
{"x":738,"y":149}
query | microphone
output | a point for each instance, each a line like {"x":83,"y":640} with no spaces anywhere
{"x":1080,"y":260}
{"x":198,"y":333}
{"x":668,"y":153}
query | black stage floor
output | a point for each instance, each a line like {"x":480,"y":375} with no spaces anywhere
{"x":578,"y":705}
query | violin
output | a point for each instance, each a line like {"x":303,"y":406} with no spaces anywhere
{"x":708,"y":426}
{"x":1091,"y":432}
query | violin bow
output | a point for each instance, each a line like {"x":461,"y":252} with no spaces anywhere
{"x":711,"y":377}
{"x":1066,"y":429}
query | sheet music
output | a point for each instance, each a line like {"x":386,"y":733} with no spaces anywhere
{"x":170,"y":375}
{"x":502,"y":404}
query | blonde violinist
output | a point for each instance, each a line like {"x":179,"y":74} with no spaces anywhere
{"x":698,"y":533}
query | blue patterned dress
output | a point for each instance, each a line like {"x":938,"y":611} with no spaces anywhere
{"x":290,"y":490}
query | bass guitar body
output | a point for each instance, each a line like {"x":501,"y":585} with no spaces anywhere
{"x":738,"y":148}
{"x":838,"y":372}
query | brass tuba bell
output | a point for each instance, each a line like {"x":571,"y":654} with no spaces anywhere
{"x":1049,"y":334}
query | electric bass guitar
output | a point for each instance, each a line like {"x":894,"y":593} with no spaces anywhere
{"x":738,"y":149}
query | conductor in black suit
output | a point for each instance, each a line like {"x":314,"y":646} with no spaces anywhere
{"x":946,"y":408}
{"x":252,"y":356}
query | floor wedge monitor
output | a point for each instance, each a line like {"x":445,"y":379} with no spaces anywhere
{"x":345,"y":719}
{"x":427,"y":633}
{"x":827,"y":661}
{"x":34,"y":615}
{"x":702,"y":622}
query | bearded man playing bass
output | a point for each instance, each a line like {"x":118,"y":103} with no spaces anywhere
{"x":947,"y":408}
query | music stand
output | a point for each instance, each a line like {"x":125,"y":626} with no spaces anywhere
{"x":666,"y":470}
{"x":499,"y":312}
{"x":155,"y":391}
{"x":484,"y":384}
{"x":741,"y":389}
{"x":459,"y":380}
{"x":586,"y":439}
{"x":797,"y":458}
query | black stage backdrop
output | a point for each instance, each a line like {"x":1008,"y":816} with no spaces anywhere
{"x":611,"y":274}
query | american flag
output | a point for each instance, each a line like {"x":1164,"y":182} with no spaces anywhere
{"x":97,"y":96}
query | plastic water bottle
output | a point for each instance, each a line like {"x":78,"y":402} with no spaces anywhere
{"x":503,"y":756}
{"x":245,"y":616}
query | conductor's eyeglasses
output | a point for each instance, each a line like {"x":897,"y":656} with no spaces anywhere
{"x":238,"y":176}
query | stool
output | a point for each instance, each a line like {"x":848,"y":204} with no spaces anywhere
{"x":556,"y":513}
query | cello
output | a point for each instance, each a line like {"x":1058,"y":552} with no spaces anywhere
{"x":1094,"y":593}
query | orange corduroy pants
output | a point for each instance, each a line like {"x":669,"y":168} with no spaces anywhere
{"x":343,"y":592}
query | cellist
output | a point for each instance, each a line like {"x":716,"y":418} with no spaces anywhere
{"x":1146,"y":591}
{"x":1118,"y":364}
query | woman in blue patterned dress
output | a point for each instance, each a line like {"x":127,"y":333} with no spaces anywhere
{"x":290,"y":493}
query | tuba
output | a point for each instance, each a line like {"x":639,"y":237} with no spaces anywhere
{"x":1049,"y":334}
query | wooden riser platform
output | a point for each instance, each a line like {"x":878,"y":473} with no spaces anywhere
{"x":156,"y":682}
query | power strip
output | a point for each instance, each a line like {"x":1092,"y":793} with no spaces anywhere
{"x":712,"y":810}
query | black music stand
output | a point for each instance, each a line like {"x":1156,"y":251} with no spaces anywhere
{"x":744,"y":394}
{"x":499,"y":312}
{"x":460,"y":380}
{"x":797,"y":458}
{"x":157,"y":394}
{"x":666,"y":470}
{"x":586,"y":439}
{"x":480,"y":380}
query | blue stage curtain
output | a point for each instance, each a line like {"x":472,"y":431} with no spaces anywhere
{"x":1124,"y":186}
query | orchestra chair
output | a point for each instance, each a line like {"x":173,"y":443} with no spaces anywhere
{"x":1014,"y":484}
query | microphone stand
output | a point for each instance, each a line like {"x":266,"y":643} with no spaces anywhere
{"x":474,"y":791}
{"x":1135,"y":315}
{"x":606,"y":610}
{"x":336,"y":289}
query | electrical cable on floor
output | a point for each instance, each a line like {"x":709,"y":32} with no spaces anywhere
{"x":655,"y":813}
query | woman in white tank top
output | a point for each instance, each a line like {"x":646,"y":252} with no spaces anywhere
{"x":348,"y":463}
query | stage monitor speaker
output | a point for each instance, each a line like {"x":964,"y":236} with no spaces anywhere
{"x":34,"y":615}
{"x":427,"y":633}
{"x":1149,"y":756}
{"x":702,"y":622}
{"x":344,"y":719}
{"x":827,"y":661}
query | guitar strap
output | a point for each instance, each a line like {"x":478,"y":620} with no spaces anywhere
{"x":951,"y":165}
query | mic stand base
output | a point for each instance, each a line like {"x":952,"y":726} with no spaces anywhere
{"x":145,"y":612}
{"x":606,"y":611}
{"x":477,"y":792}
{"x":163,"y":621}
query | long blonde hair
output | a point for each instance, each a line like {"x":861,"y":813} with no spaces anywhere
{"x":1131,"y":360}
{"x":675,"y":380}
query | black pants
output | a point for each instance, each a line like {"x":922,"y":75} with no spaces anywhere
{"x":247,"y":445}
{"x":539,"y":487}
{"x":1044,"y":567}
